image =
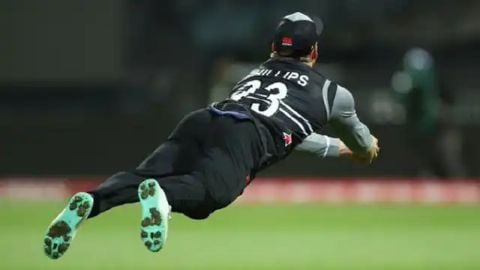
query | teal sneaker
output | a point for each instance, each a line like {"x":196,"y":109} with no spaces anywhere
{"x":155,"y":215}
{"x":62,"y":230}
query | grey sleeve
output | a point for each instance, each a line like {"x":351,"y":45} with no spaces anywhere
{"x":346,"y":125}
{"x":320,"y":145}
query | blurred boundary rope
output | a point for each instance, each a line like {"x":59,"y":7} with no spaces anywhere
{"x":283,"y":190}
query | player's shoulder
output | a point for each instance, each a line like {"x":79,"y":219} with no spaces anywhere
{"x":292,"y":67}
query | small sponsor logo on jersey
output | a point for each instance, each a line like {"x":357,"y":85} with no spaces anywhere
{"x":287,"y":138}
{"x":287,"y":41}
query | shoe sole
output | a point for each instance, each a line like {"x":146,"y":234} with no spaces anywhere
{"x":154,"y":225}
{"x":62,"y":230}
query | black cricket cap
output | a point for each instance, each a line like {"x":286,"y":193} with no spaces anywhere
{"x":296,"y":34}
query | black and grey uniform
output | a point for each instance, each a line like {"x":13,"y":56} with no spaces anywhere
{"x":214,"y":153}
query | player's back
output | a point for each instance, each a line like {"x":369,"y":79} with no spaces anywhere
{"x":288,"y":97}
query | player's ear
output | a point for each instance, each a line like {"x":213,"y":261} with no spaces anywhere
{"x":314,"y":52}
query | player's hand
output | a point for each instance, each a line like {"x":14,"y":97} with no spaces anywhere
{"x":344,"y":151}
{"x":371,"y":155}
{"x":375,"y":149}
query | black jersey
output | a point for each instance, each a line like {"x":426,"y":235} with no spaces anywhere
{"x":288,"y":99}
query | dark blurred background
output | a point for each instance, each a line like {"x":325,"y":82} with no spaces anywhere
{"x":91,"y":87}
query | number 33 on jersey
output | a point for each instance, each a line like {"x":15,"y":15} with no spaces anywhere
{"x":275,"y":92}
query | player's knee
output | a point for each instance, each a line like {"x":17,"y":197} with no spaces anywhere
{"x":207,"y":208}
{"x":202,"y":210}
{"x":195,"y":209}
{"x":199,"y":214}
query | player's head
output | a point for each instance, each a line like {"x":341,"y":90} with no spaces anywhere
{"x":296,"y":37}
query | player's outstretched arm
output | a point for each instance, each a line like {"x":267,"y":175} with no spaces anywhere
{"x":324,"y":146}
{"x":347,"y":126}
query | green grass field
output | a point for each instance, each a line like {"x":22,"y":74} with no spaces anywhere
{"x":255,"y":237}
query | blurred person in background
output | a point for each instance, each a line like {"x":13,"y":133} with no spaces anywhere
{"x":214,"y":153}
{"x":436,"y":143}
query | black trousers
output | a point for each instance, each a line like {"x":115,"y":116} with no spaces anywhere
{"x":204,"y":165}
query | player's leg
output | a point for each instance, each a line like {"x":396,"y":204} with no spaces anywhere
{"x":217,"y":157}
{"x":175,"y":156}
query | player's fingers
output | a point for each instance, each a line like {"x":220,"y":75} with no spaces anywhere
{"x":365,"y":160}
